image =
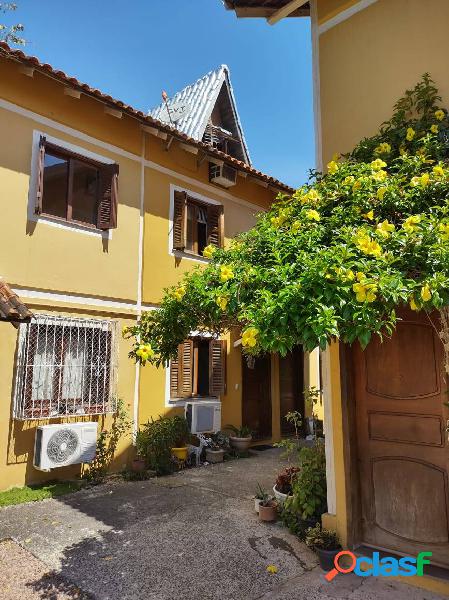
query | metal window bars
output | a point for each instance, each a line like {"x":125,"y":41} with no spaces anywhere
{"x":65,"y":367}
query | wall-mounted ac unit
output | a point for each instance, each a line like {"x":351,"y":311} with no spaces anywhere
{"x":203,"y":416}
{"x":224,"y":175}
{"x":64,"y":444}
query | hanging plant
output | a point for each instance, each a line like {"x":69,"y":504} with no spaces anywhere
{"x":334,"y":260}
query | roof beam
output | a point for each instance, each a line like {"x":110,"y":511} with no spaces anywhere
{"x":285,"y":11}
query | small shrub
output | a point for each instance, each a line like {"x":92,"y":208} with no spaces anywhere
{"x":156,"y":439}
{"x":309,"y":486}
{"x":107,"y":443}
{"x":323,"y":539}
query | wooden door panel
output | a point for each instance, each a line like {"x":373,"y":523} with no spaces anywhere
{"x":395,"y":369}
{"x":399,"y":393}
{"x":291,"y":377}
{"x":410,"y":499}
{"x":406,"y":429}
{"x":256,"y":397}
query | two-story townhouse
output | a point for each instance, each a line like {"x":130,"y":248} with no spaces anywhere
{"x":103,"y":206}
{"x":385,"y":409}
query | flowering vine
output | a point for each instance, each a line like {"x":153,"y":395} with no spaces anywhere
{"x":335,"y":259}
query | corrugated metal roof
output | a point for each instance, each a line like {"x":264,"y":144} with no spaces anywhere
{"x":191,"y":108}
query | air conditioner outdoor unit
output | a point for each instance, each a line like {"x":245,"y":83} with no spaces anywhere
{"x":224,"y":175}
{"x":64,"y":444}
{"x":203,"y":416}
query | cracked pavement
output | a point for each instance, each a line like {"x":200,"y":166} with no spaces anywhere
{"x":191,"y":536}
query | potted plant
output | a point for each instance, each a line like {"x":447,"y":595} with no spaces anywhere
{"x":260,"y":496}
{"x":309,"y":495}
{"x":242,"y":438}
{"x":180,"y":437}
{"x":216,"y":445}
{"x":138,"y":464}
{"x":268,"y":509}
{"x":283,"y":487}
{"x":325,"y":543}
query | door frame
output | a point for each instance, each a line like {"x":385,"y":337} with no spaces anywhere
{"x":270,"y":374}
{"x":350,"y":449}
{"x":351,"y":463}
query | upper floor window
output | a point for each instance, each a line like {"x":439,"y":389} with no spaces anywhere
{"x":199,"y":370}
{"x":65,"y":366}
{"x":196,"y":224}
{"x":74,"y":188}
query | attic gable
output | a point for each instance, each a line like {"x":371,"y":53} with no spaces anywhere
{"x":206,"y":111}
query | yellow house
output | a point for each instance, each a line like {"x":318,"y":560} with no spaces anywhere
{"x":103,"y":207}
{"x":384,"y":414}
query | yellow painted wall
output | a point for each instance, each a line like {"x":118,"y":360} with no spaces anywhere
{"x":369,"y":60}
{"x":365,"y":64}
{"x":327,"y":9}
{"x":17,"y":437}
{"x":40,"y":258}
{"x":45,"y":257}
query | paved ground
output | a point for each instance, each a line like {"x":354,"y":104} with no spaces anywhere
{"x":192,"y":536}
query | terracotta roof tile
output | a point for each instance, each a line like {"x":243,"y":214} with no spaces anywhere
{"x":32,"y":61}
{"x":11,"y":307}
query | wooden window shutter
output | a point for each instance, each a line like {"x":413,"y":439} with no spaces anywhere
{"x":217,"y":367}
{"x":215,"y":234}
{"x":179,"y":220}
{"x":185,"y":369}
{"x":40,"y":175}
{"x":174,"y":376}
{"x":107,"y":207}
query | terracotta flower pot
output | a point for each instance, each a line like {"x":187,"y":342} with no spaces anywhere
{"x":241,"y":444}
{"x":268,"y":512}
{"x":180,"y":453}
{"x":214,"y":456}
{"x":138,"y":465}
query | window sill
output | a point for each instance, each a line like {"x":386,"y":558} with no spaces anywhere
{"x":70,"y":225}
{"x":190,"y":256}
{"x":181,"y":402}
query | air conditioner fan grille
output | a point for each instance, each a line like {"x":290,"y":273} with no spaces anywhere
{"x":62,"y":445}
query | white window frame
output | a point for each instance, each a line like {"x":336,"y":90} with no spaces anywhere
{"x":195,"y":196}
{"x":24,"y":363}
{"x":32,"y":191}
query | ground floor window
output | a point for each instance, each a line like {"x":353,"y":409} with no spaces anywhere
{"x":199,"y":369}
{"x":65,"y":366}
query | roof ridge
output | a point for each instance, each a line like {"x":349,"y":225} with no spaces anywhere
{"x":148,"y":120}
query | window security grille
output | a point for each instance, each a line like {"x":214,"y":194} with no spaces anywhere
{"x":65,"y":366}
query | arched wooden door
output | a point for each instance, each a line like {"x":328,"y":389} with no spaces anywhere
{"x":403,"y":448}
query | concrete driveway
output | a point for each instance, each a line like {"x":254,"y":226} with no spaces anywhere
{"x":191,"y":536}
